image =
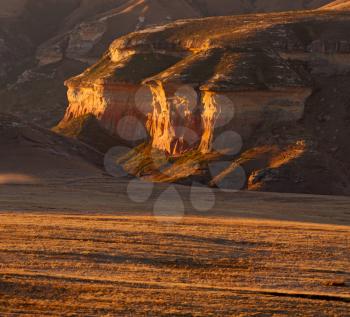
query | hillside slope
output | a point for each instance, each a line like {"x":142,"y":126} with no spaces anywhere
{"x":254,"y":88}
{"x":30,"y":154}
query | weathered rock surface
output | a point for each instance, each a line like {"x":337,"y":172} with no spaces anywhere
{"x":338,"y":5}
{"x":87,"y":39}
{"x":60,"y":38}
{"x":194,"y":91}
{"x":252,"y":67}
{"x":24,"y":25}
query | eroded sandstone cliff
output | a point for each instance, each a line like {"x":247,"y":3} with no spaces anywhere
{"x":44,"y":42}
{"x":197,"y":84}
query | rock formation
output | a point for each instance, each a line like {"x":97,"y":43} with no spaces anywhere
{"x":55,"y":39}
{"x":254,"y":66}
{"x":338,"y":5}
{"x":257,"y":102}
{"x":87,"y":39}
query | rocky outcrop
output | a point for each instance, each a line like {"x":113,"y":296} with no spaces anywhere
{"x":183,"y":91}
{"x":108,"y":104}
{"x":338,"y":5}
{"x":90,"y":27}
{"x":61,"y":38}
{"x":324,"y":56}
{"x":24,"y":24}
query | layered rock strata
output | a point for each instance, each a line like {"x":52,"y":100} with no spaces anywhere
{"x":189,"y":81}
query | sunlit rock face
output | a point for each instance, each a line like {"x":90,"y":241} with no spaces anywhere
{"x":338,"y":5}
{"x":109,"y":105}
{"x":180,"y":86}
{"x":174,"y":124}
{"x":60,"y":38}
{"x":92,"y":23}
{"x":183,"y":118}
{"x":179,"y":118}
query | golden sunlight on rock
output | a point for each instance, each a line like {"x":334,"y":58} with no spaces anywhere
{"x":175,"y":158}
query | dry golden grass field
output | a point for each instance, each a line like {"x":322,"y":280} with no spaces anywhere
{"x":82,"y":248}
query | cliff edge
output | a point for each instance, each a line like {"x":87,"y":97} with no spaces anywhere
{"x":208,"y":85}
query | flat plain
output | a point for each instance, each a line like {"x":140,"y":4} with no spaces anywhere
{"x":83,"y":248}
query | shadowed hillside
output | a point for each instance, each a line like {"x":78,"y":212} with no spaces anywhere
{"x":31,"y":155}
